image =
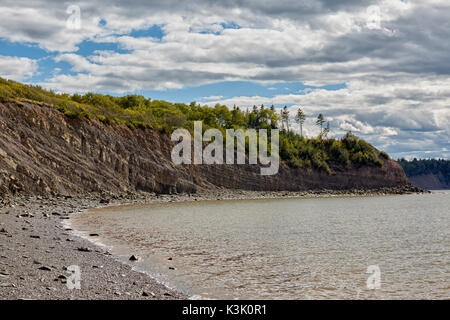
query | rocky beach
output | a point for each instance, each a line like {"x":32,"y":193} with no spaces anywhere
{"x":37,"y":247}
{"x":36,"y":250}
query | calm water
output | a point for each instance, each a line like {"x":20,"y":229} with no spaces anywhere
{"x":289,"y":248}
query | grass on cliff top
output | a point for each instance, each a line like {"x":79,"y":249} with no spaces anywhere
{"x":138,"y":112}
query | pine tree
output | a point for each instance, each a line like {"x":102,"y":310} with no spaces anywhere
{"x":326,"y":131}
{"x":285,"y":118}
{"x":319,"y":122}
{"x":300,"y":119}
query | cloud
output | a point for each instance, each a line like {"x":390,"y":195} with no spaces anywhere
{"x":396,"y":71}
{"x":415,"y":115}
{"x":211,"y":98}
{"x":17,"y":68}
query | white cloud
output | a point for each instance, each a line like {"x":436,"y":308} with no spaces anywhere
{"x":17,"y":68}
{"x":411,"y":114}
{"x":397,"y":74}
{"x":211,"y":98}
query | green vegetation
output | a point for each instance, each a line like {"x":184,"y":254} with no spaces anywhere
{"x":138,"y":112}
{"x":417,"y":167}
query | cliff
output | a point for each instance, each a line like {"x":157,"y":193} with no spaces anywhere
{"x":42,"y":151}
{"x":430,"y":174}
{"x":430,"y":181}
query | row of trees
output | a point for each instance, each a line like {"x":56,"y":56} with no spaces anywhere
{"x":268,"y":118}
{"x":300,"y":119}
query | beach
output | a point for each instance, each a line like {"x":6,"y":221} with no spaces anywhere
{"x":37,"y":247}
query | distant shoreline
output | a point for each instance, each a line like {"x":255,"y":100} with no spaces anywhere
{"x":37,"y":247}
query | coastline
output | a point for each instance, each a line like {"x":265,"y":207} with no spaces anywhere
{"x":37,"y":247}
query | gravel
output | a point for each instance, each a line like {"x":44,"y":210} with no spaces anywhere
{"x":36,"y":251}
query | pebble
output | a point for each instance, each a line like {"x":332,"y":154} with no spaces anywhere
{"x":26,"y":215}
{"x":148,"y":294}
{"x":45,"y":268}
{"x":134,"y":258}
{"x":4,"y":285}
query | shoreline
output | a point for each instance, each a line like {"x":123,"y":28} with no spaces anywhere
{"x":37,"y":246}
{"x":36,"y":250}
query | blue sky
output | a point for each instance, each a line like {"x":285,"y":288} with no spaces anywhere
{"x":383,"y":74}
{"x":230,"y":89}
{"x":47,"y":67}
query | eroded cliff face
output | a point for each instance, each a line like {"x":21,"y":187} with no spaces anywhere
{"x":44,"y":152}
{"x":430,"y":181}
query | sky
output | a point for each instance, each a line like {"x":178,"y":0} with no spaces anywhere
{"x":380,"y":69}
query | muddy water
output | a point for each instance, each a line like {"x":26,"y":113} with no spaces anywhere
{"x":309,"y":248}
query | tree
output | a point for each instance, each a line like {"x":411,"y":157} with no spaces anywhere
{"x":285,"y":118}
{"x":319,"y":122}
{"x":326,"y":131}
{"x":300,"y":119}
{"x":237,"y":117}
{"x":265,"y":116}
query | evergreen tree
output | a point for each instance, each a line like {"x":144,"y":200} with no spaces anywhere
{"x":300,"y":119}
{"x":285,"y":118}
{"x":326,"y":131}
{"x":319,"y":122}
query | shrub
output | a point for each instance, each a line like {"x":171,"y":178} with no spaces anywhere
{"x":384,"y":155}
